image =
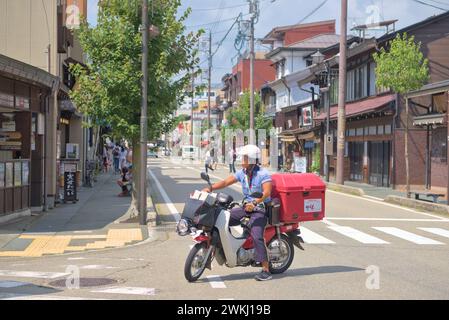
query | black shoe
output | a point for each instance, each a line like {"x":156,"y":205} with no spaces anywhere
{"x":263,"y":276}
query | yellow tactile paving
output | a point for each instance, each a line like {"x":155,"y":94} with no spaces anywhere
{"x":57,"y":244}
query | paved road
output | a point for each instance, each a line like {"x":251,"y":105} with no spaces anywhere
{"x":410,"y":251}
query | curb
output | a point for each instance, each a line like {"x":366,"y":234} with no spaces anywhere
{"x":418,"y":205}
{"x":345,"y":189}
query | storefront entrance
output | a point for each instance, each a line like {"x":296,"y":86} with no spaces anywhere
{"x":379,"y":156}
{"x":356,"y":150}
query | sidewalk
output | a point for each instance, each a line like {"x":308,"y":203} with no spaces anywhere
{"x":99,"y":220}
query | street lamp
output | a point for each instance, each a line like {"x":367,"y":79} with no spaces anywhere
{"x":317,"y":57}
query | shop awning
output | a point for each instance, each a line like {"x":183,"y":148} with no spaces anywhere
{"x":306,"y":136}
{"x":287,"y":138}
{"x":360,"y":107}
{"x":430,"y":119}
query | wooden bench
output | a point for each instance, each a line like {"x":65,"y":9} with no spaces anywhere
{"x":435,"y":196}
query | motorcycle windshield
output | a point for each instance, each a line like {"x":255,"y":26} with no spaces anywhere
{"x":192,"y":208}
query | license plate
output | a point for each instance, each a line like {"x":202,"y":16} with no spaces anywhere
{"x":312,"y":205}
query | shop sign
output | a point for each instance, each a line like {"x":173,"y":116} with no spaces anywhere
{"x":70,"y":192}
{"x":9,"y":126}
{"x":300,"y":164}
{"x":307,"y":118}
{"x":309,"y":145}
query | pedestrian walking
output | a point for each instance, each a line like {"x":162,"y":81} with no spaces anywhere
{"x":231,"y":160}
{"x":122,"y":158}
{"x":116,"y":158}
{"x":105,"y":159}
{"x":214,"y":156}
{"x":208,"y":162}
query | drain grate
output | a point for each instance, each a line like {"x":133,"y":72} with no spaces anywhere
{"x":85,"y":282}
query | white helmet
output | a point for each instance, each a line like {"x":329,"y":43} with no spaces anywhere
{"x":250,"y":150}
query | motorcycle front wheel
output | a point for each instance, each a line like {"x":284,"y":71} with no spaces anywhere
{"x":195,"y":263}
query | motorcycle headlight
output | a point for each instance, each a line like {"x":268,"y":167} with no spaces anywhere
{"x":183,"y":227}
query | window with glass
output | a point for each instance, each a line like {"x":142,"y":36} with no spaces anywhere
{"x":439,"y":145}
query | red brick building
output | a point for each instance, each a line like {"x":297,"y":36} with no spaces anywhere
{"x":239,"y":80}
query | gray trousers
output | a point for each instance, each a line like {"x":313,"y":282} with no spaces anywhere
{"x":257,"y":222}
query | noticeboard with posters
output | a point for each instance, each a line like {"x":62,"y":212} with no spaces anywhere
{"x":300,"y":164}
{"x":2,"y":175}
{"x":9,"y":167}
{"x":17,"y":174}
{"x":25,"y":173}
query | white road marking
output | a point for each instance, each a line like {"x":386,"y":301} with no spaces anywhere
{"x":437,"y":231}
{"x":12,"y":284}
{"x":329,"y":223}
{"x":40,"y":297}
{"x":168,"y":202}
{"x":128,"y":290}
{"x":216,"y":282}
{"x":386,"y":204}
{"x":226,"y":299}
{"x":358,"y":235}
{"x":97,"y":267}
{"x":32,"y":274}
{"x":311,"y":237}
{"x":375,"y":198}
{"x":407,"y":235}
{"x":85,"y":231}
{"x":77,"y":258}
{"x":384,"y":219}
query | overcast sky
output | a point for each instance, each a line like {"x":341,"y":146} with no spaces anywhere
{"x":286,"y":12}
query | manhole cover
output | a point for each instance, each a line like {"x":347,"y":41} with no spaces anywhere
{"x":84,"y":282}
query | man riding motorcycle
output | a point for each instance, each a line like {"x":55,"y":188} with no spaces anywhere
{"x":253,"y":179}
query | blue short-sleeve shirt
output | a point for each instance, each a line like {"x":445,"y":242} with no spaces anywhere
{"x":261,"y":176}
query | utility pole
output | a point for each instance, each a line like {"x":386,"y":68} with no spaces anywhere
{"x":210,"y":85}
{"x":142,"y":207}
{"x":328,"y":111}
{"x":342,"y":94}
{"x":253,"y":5}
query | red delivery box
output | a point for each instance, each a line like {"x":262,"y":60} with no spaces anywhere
{"x":302,"y":196}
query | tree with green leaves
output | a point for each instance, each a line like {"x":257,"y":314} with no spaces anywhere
{"x":403,"y":68}
{"x":109,"y":88}
{"x":238,"y":117}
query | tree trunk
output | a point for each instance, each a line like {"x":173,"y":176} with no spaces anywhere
{"x":407,"y":172}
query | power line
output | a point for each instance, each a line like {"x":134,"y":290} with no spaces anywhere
{"x":214,"y":9}
{"x":213,"y":22}
{"x":313,"y":11}
{"x":428,"y":4}
{"x":440,"y":2}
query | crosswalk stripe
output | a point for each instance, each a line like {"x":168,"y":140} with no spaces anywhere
{"x":405,"y":235}
{"x":128,"y":290}
{"x":437,"y":231}
{"x":357,"y":235}
{"x":216,"y":282}
{"x":32,"y":274}
{"x":311,"y":237}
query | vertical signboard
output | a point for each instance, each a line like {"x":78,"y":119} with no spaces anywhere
{"x":70,"y":191}
{"x":75,"y":10}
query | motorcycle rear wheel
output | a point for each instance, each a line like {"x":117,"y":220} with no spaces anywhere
{"x":195,"y":265}
{"x":286,"y":242}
